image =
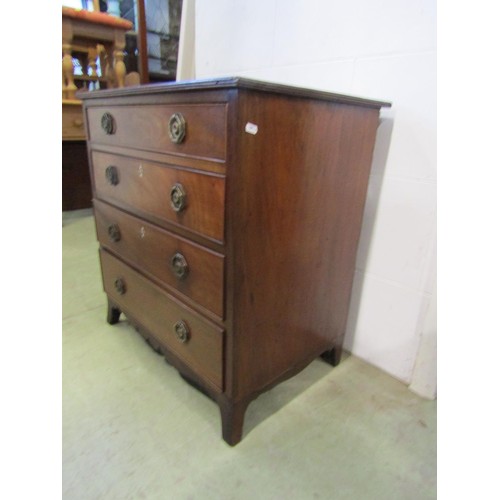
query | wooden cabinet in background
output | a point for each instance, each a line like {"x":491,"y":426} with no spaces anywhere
{"x":72,"y":121}
{"x":228,"y":214}
{"x":75,"y":180}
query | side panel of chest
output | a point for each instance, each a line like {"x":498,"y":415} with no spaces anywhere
{"x":297,"y":196}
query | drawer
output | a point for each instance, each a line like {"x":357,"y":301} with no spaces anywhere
{"x":192,"y":200}
{"x":72,"y":122}
{"x":195,"y":341}
{"x":190,"y":269}
{"x":197,"y":130}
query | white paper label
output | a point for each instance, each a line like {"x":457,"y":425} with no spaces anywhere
{"x":251,"y":128}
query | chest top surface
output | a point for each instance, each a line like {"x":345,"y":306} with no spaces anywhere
{"x":234,"y":82}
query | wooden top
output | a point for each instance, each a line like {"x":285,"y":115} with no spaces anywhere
{"x":233,"y":82}
{"x":97,"y":18}
{"x":71,"y":102}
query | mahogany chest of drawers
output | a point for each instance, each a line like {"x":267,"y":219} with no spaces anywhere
{"x":228,"y":214}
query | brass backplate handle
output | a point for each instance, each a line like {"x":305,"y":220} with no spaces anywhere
{"x":120,"y":286}
{"x":179,"y":266}
{"x":112,"y":175}
{"x":178,"y":197}
{"x":114,"y":233}
{"x":181,"y":331}
{"x":108,"y":123}
{"x":177,"y":128}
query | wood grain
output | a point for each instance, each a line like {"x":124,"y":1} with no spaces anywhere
{"x":203,"y":352}
{"x":151,"y":249}
{"x":144,"y":188}
{"x":146,"y":127}
{"x":296,"y":205}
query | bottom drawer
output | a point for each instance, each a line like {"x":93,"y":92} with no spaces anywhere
{"x":195,"y":341}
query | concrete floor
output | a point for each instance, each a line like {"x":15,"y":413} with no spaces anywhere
{"x":132,"y":428}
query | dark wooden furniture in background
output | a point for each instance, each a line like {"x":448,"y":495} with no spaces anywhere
{"x":228,"y":214}
{"x":76,"y":189}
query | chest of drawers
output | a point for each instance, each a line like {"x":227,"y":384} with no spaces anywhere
{"x":228,"y":214}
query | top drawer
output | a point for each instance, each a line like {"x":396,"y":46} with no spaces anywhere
{"x":72,"y":122}
{"x":197,"y":130}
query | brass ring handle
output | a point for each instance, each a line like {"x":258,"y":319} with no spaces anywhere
{"x":112,"y":175}
{"x":181,"y":331}
{"x":178,"y":197}
{"x":114,"y":233}
{"x":177,"y":128}
{"x":179,"y":266}
{"x":108,"y":123}
{"x":120,"y":286}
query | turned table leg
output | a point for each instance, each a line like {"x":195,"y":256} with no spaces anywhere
{"x":68,"y":70}
{"x":119,"y":67}
{"x":232,"y":415}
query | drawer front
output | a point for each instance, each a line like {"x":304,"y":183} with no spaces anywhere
{"x":191,"y":200}
{"x":72,"y":123}
{"x":190,"y":269}
{"x":193,"y":340}
{"x":197,"y":130}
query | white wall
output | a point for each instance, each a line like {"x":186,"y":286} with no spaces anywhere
{"x":383,"y":49}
